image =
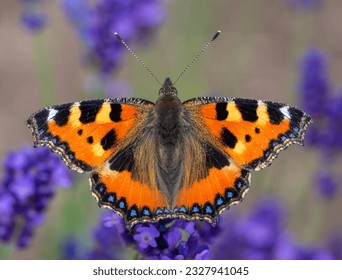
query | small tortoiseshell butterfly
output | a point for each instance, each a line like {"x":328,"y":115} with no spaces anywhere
{"x":170,"y":159}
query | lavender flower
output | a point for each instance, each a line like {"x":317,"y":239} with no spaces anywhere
{"x":146,"y":236}
{"x":305,"y":5}
{"x":313,"y":253}
{"x":166,"y":239}
{"x":335,"y":244}
{"x":261,"y":235}
{"x":96,"y":26}
{"x":327,"y":185}
{"x":32,"y":16}
{"x":325,"y":106}
{"x":314,"y":84}
{"x":318,"y":99}
{"x":28,"y":184}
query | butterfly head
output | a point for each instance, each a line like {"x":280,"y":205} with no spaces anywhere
{"x":168,"y":88}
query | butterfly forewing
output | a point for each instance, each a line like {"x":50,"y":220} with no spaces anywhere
{"x":251,"y":132}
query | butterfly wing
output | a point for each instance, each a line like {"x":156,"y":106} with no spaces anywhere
{"x":85,"y":134}
{"x":251,"y":132}
{"x":116,"y":185}
{"x":100,"y":136}
{"x":240,"y":135}
{"x":225,"y":184}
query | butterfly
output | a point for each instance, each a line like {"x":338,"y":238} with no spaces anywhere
{"x":170,"y":159}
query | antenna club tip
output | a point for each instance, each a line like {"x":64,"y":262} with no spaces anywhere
{"x":118,"y":36}
{"x":216,"y":35}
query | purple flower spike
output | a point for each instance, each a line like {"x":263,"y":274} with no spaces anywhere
{"x":325,"y":106}
{"x":29,"y":182}
{"x":134,"y":20}
{"x":32,"y":16}
{"x":314,"y":85}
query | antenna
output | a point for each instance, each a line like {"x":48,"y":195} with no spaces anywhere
{"x":140,"y":61}
{"x":198,"y":55}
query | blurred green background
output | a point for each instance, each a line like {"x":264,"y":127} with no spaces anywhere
{"x":256,"y":56}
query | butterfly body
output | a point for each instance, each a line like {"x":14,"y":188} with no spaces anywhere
{"x":189,"y":159}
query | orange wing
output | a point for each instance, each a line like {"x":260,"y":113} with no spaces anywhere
{"x":115,"y":187}
{"x":97,"y":136}
{"x":251,"y":132}
{"x":242,"y":135}
{"x":225,"y":184}
{"x":85,"y":134}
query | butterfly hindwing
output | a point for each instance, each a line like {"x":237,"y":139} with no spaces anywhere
{"x":251,"y":132}
{"x":87,"y":133}
{"x":225,"y":184}
{"x":133,"y":200}
{"x":116,"y":186}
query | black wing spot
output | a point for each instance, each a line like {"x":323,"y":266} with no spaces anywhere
{"x":257,"y":130}
{"x":109,"y":140}
{"x":115,"y":113}
{"x":62,"y":116}
{"x":89,"y":110}
{"x":90,"y":140}
{"x":80,"y":132}
{"x":248,"y":138}
{"x":228,"y":138}
{"x":248,"y":109}
{"x":274,"y":113}
{"x":221,"y":111}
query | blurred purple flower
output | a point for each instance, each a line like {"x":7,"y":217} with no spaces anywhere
{"x":32,"y":16}
{"x":252,"y":237}
{"x":335,"y":244}
{"x":325,"y":107}
{"x":96,"y":26}
{"x":107,"y":243}
{"x":314,"y":84}
{"x":111,"y":219}
{"x":261,"y":235}
{"x":327,"y":185}
{"x":29,"y":180}
{"x":313,"y":253}
{"x":317,"y":99}
{"x":306,"y":5}
{"x":70,"y":249}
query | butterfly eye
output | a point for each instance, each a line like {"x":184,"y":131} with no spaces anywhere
{"x":161,"y":91}
{"x":174,"y":91}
